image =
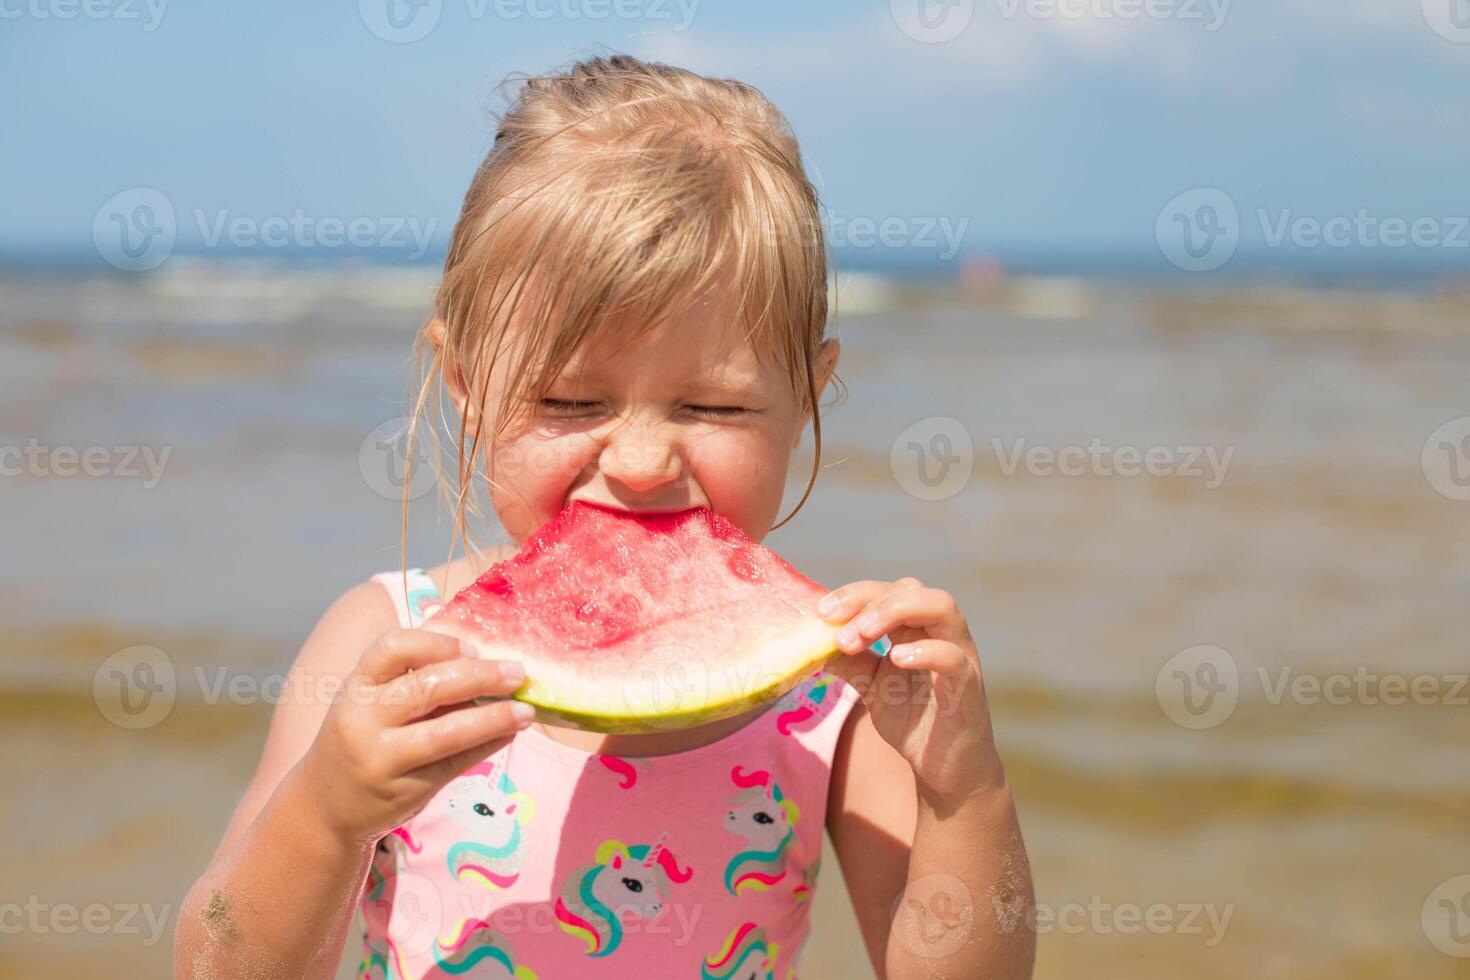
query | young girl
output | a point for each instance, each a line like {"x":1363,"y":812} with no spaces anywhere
{"x":632,"y":313}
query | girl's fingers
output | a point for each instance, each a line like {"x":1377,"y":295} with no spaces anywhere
{"x":931,"y":610}
{"x":939,"y":656}
{"x":398,"y":651}
{"x":419,"y":692}
{"x":426,"y":742}
{"x":840,"y":605}
{"x":436,"y":774}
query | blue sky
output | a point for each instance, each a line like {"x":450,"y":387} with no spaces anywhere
{"x":1035,"y":125}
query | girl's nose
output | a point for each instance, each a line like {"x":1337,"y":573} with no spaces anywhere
{"x":639,"y":462}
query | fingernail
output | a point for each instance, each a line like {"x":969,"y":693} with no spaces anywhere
{"x":847,"y":636}
{"x":513,"y":670}
{"x":867,"y":623}
{"x":467,"y":649}
{"x":829,"y":604}
{"x":522,"y":713}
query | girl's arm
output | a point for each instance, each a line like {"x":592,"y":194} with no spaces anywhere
{"x":920,"y":811}
{"x":955,"y":902}
{"x":359,"y":742}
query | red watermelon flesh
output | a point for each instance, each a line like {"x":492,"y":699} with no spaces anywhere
{"x":633,"y":622}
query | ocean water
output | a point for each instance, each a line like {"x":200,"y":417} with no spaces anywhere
{"x":1291,"y":540}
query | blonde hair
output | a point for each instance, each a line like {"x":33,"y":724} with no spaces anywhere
{"x":615,"y":191}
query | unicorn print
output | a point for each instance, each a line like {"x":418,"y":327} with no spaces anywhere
{"x":622,"y":881}
{"x":625,"y":769}
{"x":767,"y":821}
{"x":479,"y":952}
{"x":388,"y":857}
{"x":801,"y":708}
{"x":486,"y":804}
{"x":745,"y":955}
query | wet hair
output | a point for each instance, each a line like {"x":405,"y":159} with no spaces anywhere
{"x":616,"y":191}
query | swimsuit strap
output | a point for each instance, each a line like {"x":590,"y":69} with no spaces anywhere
{"x":417,"y":602}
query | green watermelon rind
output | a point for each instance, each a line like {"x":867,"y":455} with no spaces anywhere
{"x":551,"y":709}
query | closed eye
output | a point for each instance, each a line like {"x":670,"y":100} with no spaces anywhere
{"x":564,"y":407}
{"x":716,"y":411}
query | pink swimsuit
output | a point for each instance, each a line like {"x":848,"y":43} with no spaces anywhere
{"x":548,"y":862}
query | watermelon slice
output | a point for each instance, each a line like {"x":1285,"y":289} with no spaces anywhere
{"x":638,"y":622}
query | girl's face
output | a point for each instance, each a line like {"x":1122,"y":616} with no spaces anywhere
{"x":685,"y":416}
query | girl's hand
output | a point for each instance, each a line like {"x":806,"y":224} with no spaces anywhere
{"x":926,"y":697}
{"x":401,"y":729}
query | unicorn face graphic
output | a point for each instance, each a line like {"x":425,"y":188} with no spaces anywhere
{"x":625,"y":881}
{"x":763,"y":815}
{"x":487,"y":811}
{"x":757,"y":817}
{"x":746,"y":955}
{"x":493,"y":813}
{"x":632,"y":887}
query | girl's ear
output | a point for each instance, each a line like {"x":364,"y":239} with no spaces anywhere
{"x":435,"y":331}
{"x":827,"y":354}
